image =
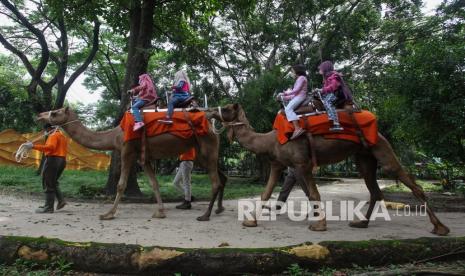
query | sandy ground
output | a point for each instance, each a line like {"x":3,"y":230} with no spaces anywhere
{"x":133,"y":224}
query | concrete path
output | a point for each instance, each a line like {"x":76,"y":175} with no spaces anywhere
{"x":133,"y":224}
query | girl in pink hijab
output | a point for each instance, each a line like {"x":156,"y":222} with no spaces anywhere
{"x":144,"y":93}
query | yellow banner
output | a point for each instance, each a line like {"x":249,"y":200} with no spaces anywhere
{"x":79,"y":157}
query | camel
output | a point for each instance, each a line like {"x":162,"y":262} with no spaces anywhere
{"x":158,"y":147}
{"x":297,"y":154}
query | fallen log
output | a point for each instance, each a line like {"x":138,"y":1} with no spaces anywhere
{"x":135,"y":259}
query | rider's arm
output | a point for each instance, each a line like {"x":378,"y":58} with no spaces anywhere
{"x":299,"y":85}
{"x":139,"y":88}
{"x":178,"y":87}
{"x":331,"y":85}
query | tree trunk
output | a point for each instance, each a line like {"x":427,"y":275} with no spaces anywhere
{"x":139,"y":44}
{"x":263,"y":167}
{"x":132,"y":188}
{"x":135,"y":259}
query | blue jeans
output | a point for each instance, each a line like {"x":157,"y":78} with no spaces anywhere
{"x":137,"y":104}
{"x":175,"y":100}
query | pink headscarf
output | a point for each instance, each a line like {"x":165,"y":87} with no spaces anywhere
{"x":146,"y":81}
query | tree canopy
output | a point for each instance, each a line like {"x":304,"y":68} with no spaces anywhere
{"x":404,"y":65}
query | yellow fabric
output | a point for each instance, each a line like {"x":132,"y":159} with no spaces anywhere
{"x":78,"y":158}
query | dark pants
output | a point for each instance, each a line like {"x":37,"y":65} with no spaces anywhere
{"x":53,"y":168}
{"x":288,"y":184}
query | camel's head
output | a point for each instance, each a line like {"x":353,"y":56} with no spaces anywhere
{"x":54,"y":117}
{"x":230,"y":113}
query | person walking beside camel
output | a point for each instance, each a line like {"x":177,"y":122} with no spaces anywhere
{"x":55,"y":149}
{"x":182,"y":180}
{"x":289,"y":183}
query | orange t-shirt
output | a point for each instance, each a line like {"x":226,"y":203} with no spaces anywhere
{"x":56,"y":145}
{"x":188,"y":155}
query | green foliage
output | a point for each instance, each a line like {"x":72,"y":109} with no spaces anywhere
{"x":15,"y":110}
{"x":296,"y":270}
{"x":427,"y":187}
{"x":22,"y":267}
{"x":89,"y":184}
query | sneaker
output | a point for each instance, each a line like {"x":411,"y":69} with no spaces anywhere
{"x":166,"y":121}
{"x":297,"y":133}
{"x":61,"y":205}
{"x":185,"y":205}
{"x":138,"y":125}
{"x":336,"y":128}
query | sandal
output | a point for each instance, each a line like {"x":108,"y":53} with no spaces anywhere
{"x":297,"y":133}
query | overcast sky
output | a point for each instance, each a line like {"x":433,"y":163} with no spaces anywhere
{"x":78,"y":93}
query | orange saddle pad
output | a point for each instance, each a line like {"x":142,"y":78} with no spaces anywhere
{"x":180,"y":126}
{"x":319,"y":125}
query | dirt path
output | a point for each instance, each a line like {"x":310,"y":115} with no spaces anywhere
{"x":79,"y":222}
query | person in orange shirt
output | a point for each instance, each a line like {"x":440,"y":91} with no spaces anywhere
{"x":184,"y":176}
{"x":55,"y":150}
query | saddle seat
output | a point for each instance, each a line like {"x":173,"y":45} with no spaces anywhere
{"x":151,"y":105}
{"x":312,"y":104}
{"x":186,"y":103}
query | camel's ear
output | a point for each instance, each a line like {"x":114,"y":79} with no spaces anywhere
{"x":67,"y":110}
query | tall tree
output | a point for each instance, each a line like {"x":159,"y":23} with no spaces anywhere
{"x":35,"y":24}
{"x":141,"y":22}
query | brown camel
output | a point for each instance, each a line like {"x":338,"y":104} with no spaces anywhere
{"x":158,"y":147}
{"x":297,"y":154}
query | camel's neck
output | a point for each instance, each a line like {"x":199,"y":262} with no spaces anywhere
{"x":98,"y":140}
{"x":258,"y":143}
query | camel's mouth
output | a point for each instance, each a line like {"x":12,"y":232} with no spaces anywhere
{"x":42,"y":117}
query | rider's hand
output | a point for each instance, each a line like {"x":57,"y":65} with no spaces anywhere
{"x":29,"y":145}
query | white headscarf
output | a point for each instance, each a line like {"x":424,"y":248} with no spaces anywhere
{"x":181,"y":76}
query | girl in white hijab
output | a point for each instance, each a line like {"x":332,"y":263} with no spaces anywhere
{"x":181,"y":92}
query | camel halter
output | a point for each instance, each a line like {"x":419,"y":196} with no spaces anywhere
{"x":224,"y":124}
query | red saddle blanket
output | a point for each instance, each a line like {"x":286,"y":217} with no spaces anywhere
{"x":319,"y":125}
{"x":180,"y":126}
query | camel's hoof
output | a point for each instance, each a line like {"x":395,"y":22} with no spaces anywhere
{"x":203,"y":218}
{"x":219,"y":210}
{"x":441,"y":230}
{"x":249,"y":223}
{"x":359,"y":224}
{"x":107,"y":217}
{"x":159,"y":214}
{"x":317,"y":227}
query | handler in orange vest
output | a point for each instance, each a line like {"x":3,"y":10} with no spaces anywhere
{"x":55,"y":150}
{"x":184,"y":176}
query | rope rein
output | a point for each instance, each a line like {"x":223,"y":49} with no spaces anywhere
{"x":25,"y":148}
{"x":224,"y":124}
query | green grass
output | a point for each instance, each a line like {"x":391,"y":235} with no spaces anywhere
{"x":427,"y":187}
{"x":90,"y":184}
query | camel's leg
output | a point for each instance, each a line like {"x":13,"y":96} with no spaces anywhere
{"x":223,"y":180}
{"x":127,"y":159}
{"x":275,"y":173}
{"x":216,"y":188}
{"x":159,"y":211}
{"x":367,"y":166}
{"x":386,"y":157}
{"x":304,"y":174}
